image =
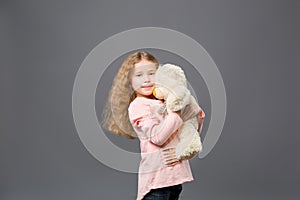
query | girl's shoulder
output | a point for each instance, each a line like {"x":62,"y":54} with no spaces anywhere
{"x":143,"y":101}
{"x":142,"y":105}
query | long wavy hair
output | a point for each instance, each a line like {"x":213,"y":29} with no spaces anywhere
{"x":115,"y":114}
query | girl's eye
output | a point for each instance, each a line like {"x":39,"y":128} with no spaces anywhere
{"x":151,"y":73}
{"x":138,"y":75}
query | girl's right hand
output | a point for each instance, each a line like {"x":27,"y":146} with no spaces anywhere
{"x":169,"y":156}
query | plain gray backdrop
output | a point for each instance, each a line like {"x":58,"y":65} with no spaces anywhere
{"x":255,"y":45}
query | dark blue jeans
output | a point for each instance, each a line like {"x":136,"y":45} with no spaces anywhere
{"x":165,"y":193}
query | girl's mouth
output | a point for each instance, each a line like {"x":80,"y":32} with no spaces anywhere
{"x":150,"y":86}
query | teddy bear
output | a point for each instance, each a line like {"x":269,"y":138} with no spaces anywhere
{"x":171,"y":86}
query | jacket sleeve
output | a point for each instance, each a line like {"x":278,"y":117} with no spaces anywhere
{"x":153,"y":127}
{"x":159,"y":132}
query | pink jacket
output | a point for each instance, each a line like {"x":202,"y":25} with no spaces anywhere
{"x":155,"y":134}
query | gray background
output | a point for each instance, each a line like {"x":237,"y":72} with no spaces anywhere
{"x":254,"y":44}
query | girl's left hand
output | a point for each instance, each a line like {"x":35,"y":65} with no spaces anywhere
{"x":200,"y":121}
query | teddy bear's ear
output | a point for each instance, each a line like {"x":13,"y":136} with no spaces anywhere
{"x":175,"y":72}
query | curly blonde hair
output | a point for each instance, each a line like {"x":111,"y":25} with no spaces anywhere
{"x":115,"y":114}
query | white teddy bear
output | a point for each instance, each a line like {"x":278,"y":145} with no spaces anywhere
{"x":171,"y":86}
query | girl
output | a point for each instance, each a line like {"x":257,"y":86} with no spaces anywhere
{"x":132,"y":111}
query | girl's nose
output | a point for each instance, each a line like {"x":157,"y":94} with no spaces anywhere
{"x":147,"y":78}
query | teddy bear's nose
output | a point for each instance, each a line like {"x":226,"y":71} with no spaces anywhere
{"x":154,"y":92}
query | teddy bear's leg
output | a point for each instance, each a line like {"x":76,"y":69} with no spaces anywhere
{"x":190,"y":142}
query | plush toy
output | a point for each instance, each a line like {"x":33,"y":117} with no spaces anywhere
{"x":171,"y":86}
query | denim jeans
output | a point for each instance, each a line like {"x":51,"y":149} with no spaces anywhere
{"x":165,"y":193}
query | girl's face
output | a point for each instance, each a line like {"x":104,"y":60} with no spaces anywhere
{"x":143,"y":78}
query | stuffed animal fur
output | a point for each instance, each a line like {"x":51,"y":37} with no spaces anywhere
{"x":171,"y":86}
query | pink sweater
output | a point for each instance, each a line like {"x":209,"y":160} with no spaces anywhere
{"x":155,"y":134}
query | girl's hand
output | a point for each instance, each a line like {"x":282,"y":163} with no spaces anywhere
{"x":200,"y":121}
{"x":159,"y":109}
{"x":169,"y":156}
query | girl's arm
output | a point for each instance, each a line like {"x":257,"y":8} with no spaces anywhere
{"x":158,"y":131}
{"x":151,"y":125}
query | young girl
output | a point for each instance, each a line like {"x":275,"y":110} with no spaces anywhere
{"x":133,"y":111}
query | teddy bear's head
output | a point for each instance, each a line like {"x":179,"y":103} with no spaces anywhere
{"x":171,"y":85}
